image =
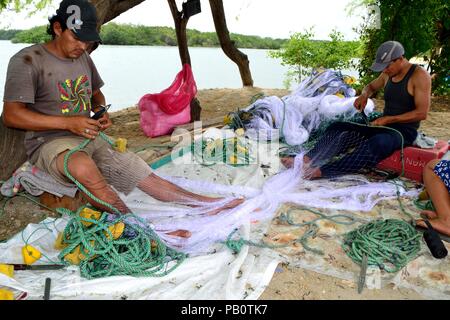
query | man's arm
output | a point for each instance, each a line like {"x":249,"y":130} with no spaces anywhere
{"x":377,"y":84}
{"x":17,"y":115}
{"x":422,"y":101}
{"x":97,"y":99}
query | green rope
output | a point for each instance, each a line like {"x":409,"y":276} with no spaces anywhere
{"x":107,"y":257}
{"x":43,"y":225}
{"x":343,"y":219}
{"x":22,"y":194}
{"x":137,"y":252}
{"x":389,"y":244}
{"x":237,"y":244}
{"x":424,"y":205}
{"x":256,"y":97}
{"x":402,"y":208}
{"x":209,"y":152}
{"x":78,"y":184}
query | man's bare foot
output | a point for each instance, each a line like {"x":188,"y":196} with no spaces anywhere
{"x":288,"y":162}
{"x":230,"y":205}
{"x":440,"y":225}
{"x":428,"y":214}
{"x":312,"y":173}
{"x":180,"y":233}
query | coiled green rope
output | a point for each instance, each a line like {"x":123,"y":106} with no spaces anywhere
{"x":130,"y":255}
{"x":137,"y":252}
{"x":389,"y":244}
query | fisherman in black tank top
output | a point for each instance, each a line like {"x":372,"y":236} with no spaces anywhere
{"x":407,"y":94}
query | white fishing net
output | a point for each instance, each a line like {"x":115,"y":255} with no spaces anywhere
{"x":296,"y":115}
{"x":208,"y":227}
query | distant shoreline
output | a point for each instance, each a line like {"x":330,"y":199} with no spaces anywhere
{"x":127,"y":34}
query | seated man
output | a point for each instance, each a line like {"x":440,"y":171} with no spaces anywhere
{"x":50,"y":91}
{"x":436,"y":177}
{"x":407,"y":92}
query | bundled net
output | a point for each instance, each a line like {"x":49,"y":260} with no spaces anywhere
{"x":292,"y":118}
{"x":323,"y":82}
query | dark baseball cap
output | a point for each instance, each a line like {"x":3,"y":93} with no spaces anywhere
{"x":388,"y":51}
{"x":80,"y":16}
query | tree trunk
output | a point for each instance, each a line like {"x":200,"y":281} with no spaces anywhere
{"x":107,"y":10}
{"x":227,"y":45}
{"x":180,"y":29}
{"x":12,"y":150}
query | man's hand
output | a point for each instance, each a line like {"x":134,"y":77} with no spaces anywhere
{"x":105,"y":122}
{"x":83,"y":126}
{"x":360,"y":102}
{"x":382,"y":121}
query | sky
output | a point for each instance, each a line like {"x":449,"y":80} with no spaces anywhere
{"x":265,"y":18}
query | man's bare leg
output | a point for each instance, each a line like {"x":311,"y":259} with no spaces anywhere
{"x":288,"y":162}
{"x":440,"y":219}
{"x":308,"y":171}
{"x":84,"y":170}
{"x":164,"y":190}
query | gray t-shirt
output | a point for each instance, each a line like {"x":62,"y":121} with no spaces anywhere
{"x":50,"y":85}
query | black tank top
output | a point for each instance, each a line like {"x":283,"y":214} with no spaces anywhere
{"x":398,"y":100}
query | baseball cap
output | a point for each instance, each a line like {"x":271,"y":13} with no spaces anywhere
{"x":388,"y":51}
{"x":80,"y":16}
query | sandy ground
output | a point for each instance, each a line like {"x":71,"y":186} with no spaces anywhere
{"x":287,"y":282}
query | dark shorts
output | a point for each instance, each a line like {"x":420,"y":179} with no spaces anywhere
{"x":442,"y":169}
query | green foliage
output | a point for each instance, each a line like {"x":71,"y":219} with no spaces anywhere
{"x":19,"y":5}
{"x":8,"y":34}
{"x":301,"y":53}
{"x":128,"y":34}
{"x":421,"y":26}
{"x":33,"y":35}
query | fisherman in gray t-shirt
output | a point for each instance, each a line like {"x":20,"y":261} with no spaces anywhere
{"x":50,"y":92}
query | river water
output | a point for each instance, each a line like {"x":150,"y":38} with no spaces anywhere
{"x":129,"y":72}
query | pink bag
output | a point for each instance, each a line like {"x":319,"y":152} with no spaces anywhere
{"x":160,"y":113}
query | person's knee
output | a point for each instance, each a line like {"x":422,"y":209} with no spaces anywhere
{"x":431,"y":165}
{"x":84,"y":169}
{"x":384,"y":145}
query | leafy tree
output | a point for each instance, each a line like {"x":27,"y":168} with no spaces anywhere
{"x":302,"y":54}
{"x":423,"y":27}
{"x":18,"y":5}
{"x":33,"y":35}
{"x":129,"y":34}
{"x":8,"y":34}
